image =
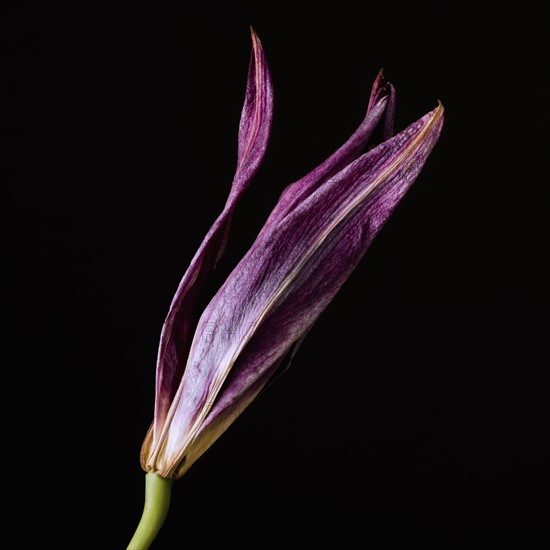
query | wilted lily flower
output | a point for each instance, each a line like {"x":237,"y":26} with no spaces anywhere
{"x":213,"y":363}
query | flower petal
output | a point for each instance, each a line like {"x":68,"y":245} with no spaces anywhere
{"x":378,"y":106}
{"x":285,"y":281}
{"x":254,"y":130}
{"x":256,"y":117}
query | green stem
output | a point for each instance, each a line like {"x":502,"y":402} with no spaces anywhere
{"x":157,"y":502}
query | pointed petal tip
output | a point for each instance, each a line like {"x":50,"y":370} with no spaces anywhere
{"x":257,"y":47}
{"x":436,"y":113}
{"x":380,"y":79}
{"x":256,"y":42}
{"x":381,"y":82}
{"x":435,"y":118}
{"x":380,"y":88}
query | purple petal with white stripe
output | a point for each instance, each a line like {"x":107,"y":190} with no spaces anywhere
{"x":318,"y":233}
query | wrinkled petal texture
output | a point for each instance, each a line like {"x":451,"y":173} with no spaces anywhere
{"x":293,"y":270}
{"x":179,"y":326}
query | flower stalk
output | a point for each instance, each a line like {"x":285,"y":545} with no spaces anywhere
{"x":157,"y":503}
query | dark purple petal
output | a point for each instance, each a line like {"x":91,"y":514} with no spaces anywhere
{"x":389,"y":115}
{"x":380,"y":89}
{"x":330,"y":265}
{"x":290,"y":274}
{"x":256,"y":117}
{"x":254,"y":129}
{"x":378,"y":107}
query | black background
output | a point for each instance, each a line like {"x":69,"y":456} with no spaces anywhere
{"x":414,"y":411}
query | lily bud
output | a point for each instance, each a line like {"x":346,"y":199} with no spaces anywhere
{"x":213,"y":363}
